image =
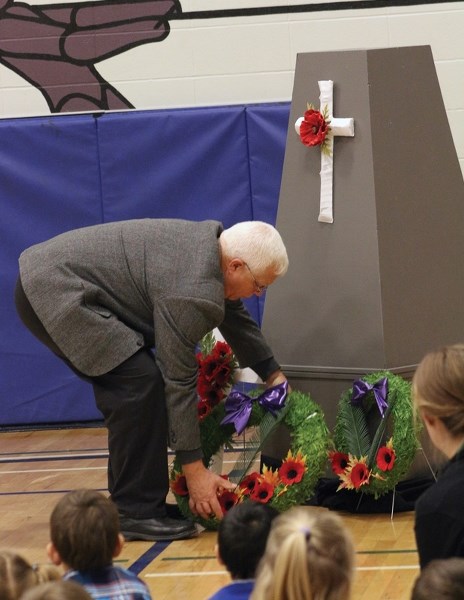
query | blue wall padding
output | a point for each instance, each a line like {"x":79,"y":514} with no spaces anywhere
{"x":63,"y":172}
{"x":191,"y":163}
{"x":267,"y":132}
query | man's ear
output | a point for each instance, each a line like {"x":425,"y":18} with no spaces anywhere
{"x":53,"y":554}
{"x":119,"y":545}
{"x":235,"y":263}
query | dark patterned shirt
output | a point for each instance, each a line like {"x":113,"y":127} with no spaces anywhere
{"x":111,"y":583}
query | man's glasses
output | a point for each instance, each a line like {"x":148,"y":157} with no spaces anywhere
{"x":259,"y":288}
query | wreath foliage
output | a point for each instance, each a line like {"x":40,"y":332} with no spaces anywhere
{"x":373,"y":460}
{"x":308,"y":453}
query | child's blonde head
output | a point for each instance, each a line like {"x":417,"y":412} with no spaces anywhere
{"x":17,"y":575}
{"x":57,"y":590}
{"x":309,"y":556}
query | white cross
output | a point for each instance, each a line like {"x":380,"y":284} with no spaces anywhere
{"x":340,"y":127}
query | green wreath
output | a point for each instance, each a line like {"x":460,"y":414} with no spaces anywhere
{"x":293,"y":483}
{"x":370,"y":459}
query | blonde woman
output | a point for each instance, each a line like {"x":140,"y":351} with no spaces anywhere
{"x":438,"y":392}
{"x":309,"y":555}
{"x":17,"y":575}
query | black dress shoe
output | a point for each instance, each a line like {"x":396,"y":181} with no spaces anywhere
{"x":160,"y":529}
{"x":173,"y":511}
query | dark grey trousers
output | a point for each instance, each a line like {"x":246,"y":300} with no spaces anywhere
{"x":132,"y":401}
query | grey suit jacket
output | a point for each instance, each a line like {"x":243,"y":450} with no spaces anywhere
{"x":103,"y":292}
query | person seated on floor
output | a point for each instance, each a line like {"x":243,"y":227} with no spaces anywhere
{"x":438,"y":393}
{"x":309,"y":554}
{"x":85,"y":538}
{"x":441,"y":579}
{"x":57,"y":590}
{"x":241,"y":541}
{"x":18,"y":575}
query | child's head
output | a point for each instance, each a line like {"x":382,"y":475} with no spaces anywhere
{"x":17,"y":575}
{"x":242,"y":537}
{"x":84,"y":531}
{"x":309,"y":554}
{"x":438,"y":387}
{"x":57,"y":590}
{"x":441,"y":580}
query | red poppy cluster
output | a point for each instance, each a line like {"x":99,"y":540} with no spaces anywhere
{"x":259,"y":487}
{"x":314,"y":128}
{"x":354,"y":472}
{"x":215,"y":375}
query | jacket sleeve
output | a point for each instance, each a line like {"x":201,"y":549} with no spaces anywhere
{"x":246,"y":340}
{"x":180,"y":323}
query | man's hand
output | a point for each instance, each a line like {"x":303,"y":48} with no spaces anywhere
{"x":204,"y":487}
{"x":276,"y":378}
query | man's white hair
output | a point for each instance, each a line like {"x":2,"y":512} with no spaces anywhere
{"x":258,"y":244}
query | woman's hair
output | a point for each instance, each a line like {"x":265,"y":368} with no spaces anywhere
{"x":440,"y":580}
{"x":309,"y":556}
{"x":58,"y":590}
{"x":258,"y":244}
{"x":17,"y":575}
{"x":438,"y":387}
{"x":84,"y":528}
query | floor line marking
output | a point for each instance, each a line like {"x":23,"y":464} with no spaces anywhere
{"x":53,"y":470}
{"x":360,"y":552}
{"x":387,"y":551}
{"x":51,"y":458}
{"x":28,"y":493}
{"x":185,"y":574}
{"x":203,"y":573}
{"x":389,"y":568}
{"x":148,"y":557}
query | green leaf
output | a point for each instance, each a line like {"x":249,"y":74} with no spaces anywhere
{"x":207,"y":344}
{"x":353,"y":427}
{"x":380,"y":431}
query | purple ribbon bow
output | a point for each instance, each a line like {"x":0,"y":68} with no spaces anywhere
{"x":238,"y":405}
{"x":380,"y":388}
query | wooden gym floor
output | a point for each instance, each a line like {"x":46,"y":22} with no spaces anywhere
{"x":38,"y":467}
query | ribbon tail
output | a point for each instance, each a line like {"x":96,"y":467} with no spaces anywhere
{"x":381,"y":404}
{"x":238,"y":418}
{"x":381,"y":394}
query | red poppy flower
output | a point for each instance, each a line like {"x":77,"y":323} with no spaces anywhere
{"x":293,"y":468}
{"x":359,"y":474}
{"x":262,"y":492}
{"x":215,"y":375}
{"x":204,"y":408}
{"x":179,"y":485}
{"x":227,"y":500}
{"x":339,"y":461}
{"x":222,"y":375}
{"x":209,"y":367}
{"x":385,"y":458}
{"x":214,"y":396}
{"x":248,"y":483}
{"x":314,"y":128}
{"x":222,"y":350}
{"x":203,"y":387}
